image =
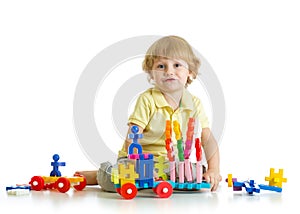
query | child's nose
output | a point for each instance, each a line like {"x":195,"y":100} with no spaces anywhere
{"x":170,"y":70}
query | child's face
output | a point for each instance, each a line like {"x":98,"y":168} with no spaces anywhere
{"x":170,"y":74}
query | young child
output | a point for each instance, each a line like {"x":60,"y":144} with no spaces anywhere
{"x":171,"y":66}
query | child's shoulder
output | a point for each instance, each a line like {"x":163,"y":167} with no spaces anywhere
{"x":192,"y":96}
{"x":149,"y":93}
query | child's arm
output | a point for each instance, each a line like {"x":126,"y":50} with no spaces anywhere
{"x":212,"y":155}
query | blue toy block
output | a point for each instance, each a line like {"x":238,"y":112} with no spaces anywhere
{"x":56,"y":164}
{"x":17,"y":187}
{"x":144,"y":167}
{"x":135,"y":144}
{"x":134,"y":135}
{"x":270,"y":188}
{"x":251,"y":187}
{"x":190,"y":186}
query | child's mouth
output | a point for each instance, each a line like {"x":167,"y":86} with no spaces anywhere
{"x":169,"y":80}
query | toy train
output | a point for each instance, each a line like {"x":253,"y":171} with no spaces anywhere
{"x":138,"y":171}
{"x":56,"y":181}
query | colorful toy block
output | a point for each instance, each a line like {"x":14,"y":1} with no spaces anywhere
{"x":138,"y":172}
{"x":160,"y":166}
{"x":135,"y":145}
{"x":275,"y":179}
{"x":275,"y":183}
{"x":18,"y":190}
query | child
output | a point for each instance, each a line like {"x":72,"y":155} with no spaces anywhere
{"x":171,"y":66}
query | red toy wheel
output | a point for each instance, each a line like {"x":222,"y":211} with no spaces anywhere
{"x":154,"y":190}
{"x":81,"y":185}
{"x":128,"y":191}
{"x":62,"y":184}
{"x":164,"y":189}
{"x":37,"y":183}
{"x":118,"y":190}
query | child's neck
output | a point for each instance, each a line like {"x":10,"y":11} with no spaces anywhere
{"x":173,"y":98}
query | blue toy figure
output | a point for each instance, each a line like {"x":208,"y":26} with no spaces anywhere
{"x":135,"y":144}
{"x":56,"y":164}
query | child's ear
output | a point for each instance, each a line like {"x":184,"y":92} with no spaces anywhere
{"x":191,"y":76}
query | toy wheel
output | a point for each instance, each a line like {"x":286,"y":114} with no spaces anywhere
{"x":128,"y":191}
{"x":81,"y":185}
{"x":164,"y":189}
{"x":37,"y":183}
{"x":118,"y":190}
{"x":154,"y":190}
{"x":62,"y":184}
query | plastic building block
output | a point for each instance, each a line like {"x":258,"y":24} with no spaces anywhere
{"x":173,"y":171}
{"x":189,"y":138}
{"x":229,"y":180}
{"x":18,"y":190}
{"x":168,"y":140}
{"x":270,"y":188}
{"x":275,"y":183}
{"x":144,"y":167}
{"x":134,"y":145}
{"x":199,"y":172}
{"x":188,"y":170}
{"x":56,"y":164}
{"x":160,"y":167}
{"x":181,"y":171}
{"x":178,"y":136}
{"x":198,"y":149}
{"x":127,"y":173}
{"x":276,"y":179}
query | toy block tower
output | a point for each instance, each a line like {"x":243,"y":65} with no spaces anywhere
{"x":143,"y":162}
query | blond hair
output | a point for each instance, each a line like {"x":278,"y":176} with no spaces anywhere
{"x":173,"y":47}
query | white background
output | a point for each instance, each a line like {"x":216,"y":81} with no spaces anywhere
{"x":253,"y":47}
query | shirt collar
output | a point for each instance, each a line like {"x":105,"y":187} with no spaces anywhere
{"x":160,"y":101}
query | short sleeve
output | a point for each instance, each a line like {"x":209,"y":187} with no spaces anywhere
{"x":142,"y":111}
{"x":200,"y":113}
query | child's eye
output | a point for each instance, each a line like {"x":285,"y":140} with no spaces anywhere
{"x":177,"y":65}
{"x":160,"y":66}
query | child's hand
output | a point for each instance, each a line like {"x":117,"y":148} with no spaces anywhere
{"x":213,"y":177}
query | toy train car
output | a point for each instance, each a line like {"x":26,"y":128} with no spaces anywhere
{"x":137,"y":172}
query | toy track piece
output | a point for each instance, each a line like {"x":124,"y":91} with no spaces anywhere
{"x":37,"y":183}
{"x":164,"y":189}
{"x":128,"y":191}
{"x":62,"y":184}
{"x":81,"y":184}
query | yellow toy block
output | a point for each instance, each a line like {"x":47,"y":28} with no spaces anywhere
{"x":115,"y":176}
{"x":229,"y":180}
{"x":127,"y":173}
{"x":53,"y":179}
{"x":50,"y":179}
{"x":161,"y":166}
{"x":276,"y":179}
{"x":176,"y":128}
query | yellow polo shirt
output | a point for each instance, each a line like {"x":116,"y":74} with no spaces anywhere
{"x":151,"y":112}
